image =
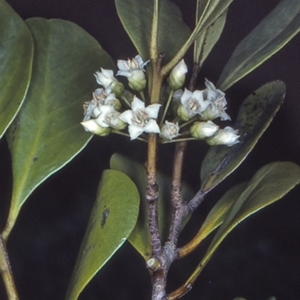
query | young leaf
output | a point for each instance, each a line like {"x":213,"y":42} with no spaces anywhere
{"x":255,"y":114}
{"x":113,"y":217}
{"x":136,"y":17}
{"x":268,"y":185}
{"x":46,"y":134}
{"x":214,"y":219}
{"x":16,"y":63}
{"x":207,"y":40}
{"x":209,"y":11}
{"x":268,"y":37}
{"x":140,"y":237}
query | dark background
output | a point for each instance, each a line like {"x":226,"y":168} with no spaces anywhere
{"x":259,"y":259}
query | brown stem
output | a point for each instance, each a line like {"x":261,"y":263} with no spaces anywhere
{"x":152,"y":195}
{"x":6,"y":272}
{"x":196,"y":70}
{"x":179,"y":208}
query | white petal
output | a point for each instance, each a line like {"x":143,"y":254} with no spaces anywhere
{"x":186,"y":96}
{"x":198,"y":95}
{"x":107,"y":73}
{"x":139,"y":60}
{"x":105,"y":109}
{"x":124,"y":73}
{"x":137,"y":104}
{"x":152,"y":127}
{"x":152,"y":110}
{"x":122,"y":65}
{"x":127,"y":116}
{"x":91,"y":126}
{"x":135,"y":131}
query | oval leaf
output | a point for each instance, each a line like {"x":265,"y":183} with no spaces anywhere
{"x":268,"y":37}
{"x":136,"y":17}
{"x":214,"y":219}
{"x":268,"y":185}
{"x":113,"y":217}
{"x":255,"y":114}
{"x":47,"y":133}
{"x":140,"y":237}
{"x":207,"y":40}
{"x":16,"y":56}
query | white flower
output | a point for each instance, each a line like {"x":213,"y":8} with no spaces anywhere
{"x":100,"y":97}
{"x":105,"y":77}
{"x":192,"y":104}
{"x":202,"y":130}
{"x":177,"y":76}
{"x":217,"y":105}
{"x":109,"y":82}
{"x":170,"y":131}
{"x":227,"y":136}
{"x":141,"y":119}
{"x":133,"y":69}
{"x":105,"y":111}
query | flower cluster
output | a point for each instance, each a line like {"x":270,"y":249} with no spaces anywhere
{"x":196,"y":109}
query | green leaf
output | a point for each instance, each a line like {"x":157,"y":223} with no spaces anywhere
{"x":218,"y":213}
{"x":255,"y":114}
{"x":207,"y":40}
{"x":113,"y":217}
{"x":47,"y":133}
{"x":208,"y":11}
{"x":16,"y":56}
{"x":140,"y":237}
{"x":268,"y":37}
{"x":136,"y":17}
{"x":268,"y":185}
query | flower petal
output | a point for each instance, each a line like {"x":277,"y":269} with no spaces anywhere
{"x":185,"y":97}
{"x":122,"y":65}
{"x":152,"y":110}
{"x":135,"y":131}
{"x":137,"y":104}
{"x":127,"y":116}
{"x":152,"y":127}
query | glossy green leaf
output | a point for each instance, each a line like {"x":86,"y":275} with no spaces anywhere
{"x":207,"y":40}
{"x":215,"y":217}
{"x":268,"y":185}
{"x":16,"y":54}
{"x":268,"y":37}
{"x":47,"y":133}
{"x":140,"y":237}
{"x":255,"y":114}
{"x":136,"y":17}
{"x":113,"y":217}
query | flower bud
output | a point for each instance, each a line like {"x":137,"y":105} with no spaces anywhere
{"x":137,"y":80}
{"x":93,"y":127}
{"x":169,"y":131}
{"x":202,"y":130}
{"x":227,"y":136}
{"x":177,"y":76}
{"x":117,"y":88}
{"x":183,"y":113}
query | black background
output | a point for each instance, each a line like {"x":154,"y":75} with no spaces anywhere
{"x":260,"y":258}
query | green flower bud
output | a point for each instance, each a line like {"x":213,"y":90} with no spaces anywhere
{"x":202,"y":130}
{"x":93,"y":127}
{"x":177,"y":76}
